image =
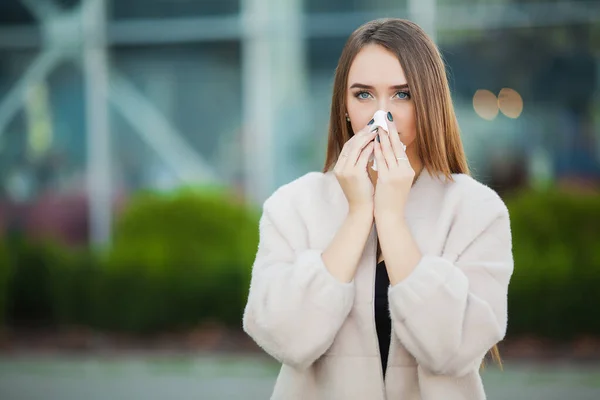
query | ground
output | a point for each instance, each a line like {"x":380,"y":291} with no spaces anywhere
{"x":228,"y":376}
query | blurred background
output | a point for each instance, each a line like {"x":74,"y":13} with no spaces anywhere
{"x":139,"y":138}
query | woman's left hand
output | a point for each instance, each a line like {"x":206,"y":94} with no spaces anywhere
{"x":394,"y":177}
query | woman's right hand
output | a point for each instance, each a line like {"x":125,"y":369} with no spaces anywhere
{"x":351,"y":170}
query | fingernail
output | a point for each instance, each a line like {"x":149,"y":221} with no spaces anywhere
{"x":390,"y":116}
{"x":371,"y":121}
{"x":377,"y":137}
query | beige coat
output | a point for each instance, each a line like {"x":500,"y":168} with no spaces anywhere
{"x":445,"y":315}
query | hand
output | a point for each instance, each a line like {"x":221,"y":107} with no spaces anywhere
{"x":351,"y":170}
{"x":395,"y":174}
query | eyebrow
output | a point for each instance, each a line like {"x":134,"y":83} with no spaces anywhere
{"x":363,"y":86}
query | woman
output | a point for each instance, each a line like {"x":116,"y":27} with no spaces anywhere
{"x":387,"y":284}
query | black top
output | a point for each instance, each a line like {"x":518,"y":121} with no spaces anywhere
{"x":383,"y":322}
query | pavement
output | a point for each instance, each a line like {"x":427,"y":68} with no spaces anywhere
{"x":248,"y":377}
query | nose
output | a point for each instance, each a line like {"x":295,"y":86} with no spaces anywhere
{"x":383,"y":104}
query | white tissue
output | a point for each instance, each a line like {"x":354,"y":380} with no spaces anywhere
{"x":380,"y":118}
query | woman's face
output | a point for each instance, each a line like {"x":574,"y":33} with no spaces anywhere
{"x":376,"y":81}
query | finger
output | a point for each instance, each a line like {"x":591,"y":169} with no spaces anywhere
{"x":382,"y":166}
{"x":366,"y":129}
{"x":363,"y":159}
{"x":360,"y":142}
{"x":358,"y":138}
{"x":397,"y":145}
{"x":353,"y":147}
{"x":386,"y":148}
{"x":342,"y":158}
{"x":345,"y":154}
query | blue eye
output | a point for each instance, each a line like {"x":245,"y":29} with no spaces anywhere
{"x":362,"y":95}
{"x":403,"y":95}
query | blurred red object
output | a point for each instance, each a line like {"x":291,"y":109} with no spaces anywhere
{"x":63,"y":217}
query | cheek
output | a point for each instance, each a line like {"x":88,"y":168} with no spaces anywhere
{"x":406,"y":124}
{"x":360,"y":115}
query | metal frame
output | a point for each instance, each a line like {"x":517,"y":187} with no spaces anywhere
{"x":80,"y":35}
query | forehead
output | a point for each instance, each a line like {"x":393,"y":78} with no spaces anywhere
{"x":375,"y":65}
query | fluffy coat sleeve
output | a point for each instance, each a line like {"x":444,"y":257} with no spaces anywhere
{"x":453,"y":308}
{"x":295,"y":306}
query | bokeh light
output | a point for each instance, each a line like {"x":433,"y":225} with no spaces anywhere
{"x":485,"y":104}
{"x":510,"y":102}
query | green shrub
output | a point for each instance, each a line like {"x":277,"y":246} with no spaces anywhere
{"x":43,"y":284}
{"x":177,"y":260}
{"x":5,"y":272}
{"x":73,"y":275}
{"x":184,"y":258}
{"x":556,"y":246}
{"x":29,"y":299}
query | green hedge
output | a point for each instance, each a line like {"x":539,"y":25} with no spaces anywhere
{"x":5,"y":280}
{"x":555,"y":288}
{"x":44,"y":284}
{"x":184,"y":258}
{"x":177,"y":260}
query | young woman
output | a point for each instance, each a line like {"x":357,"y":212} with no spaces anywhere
{"x":387,"y":284}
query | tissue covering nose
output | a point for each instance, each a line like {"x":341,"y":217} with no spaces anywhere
{"x":380,"y":120}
